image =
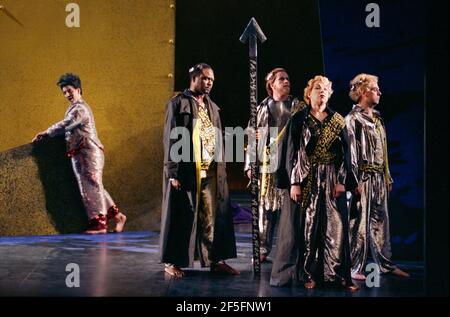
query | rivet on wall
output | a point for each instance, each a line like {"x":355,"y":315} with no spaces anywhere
{"x":171,"y":41}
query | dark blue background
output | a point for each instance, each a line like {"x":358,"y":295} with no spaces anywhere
{"x":395,"y":52}
{"x":328,"y":37}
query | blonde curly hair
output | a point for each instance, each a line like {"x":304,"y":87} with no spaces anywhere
{"x":360,"y":84}
{"x":311,"y":83}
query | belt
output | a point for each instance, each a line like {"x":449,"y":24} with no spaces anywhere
{"x":73,"y":152}
{"x":371,"y":168}
{"x":327,"y":158}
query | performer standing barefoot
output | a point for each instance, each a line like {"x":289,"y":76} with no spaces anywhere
{"x":196,"y":214}
{"x":86,"y":153}
{"x":369,"y":165}
{"x":312,"y":243}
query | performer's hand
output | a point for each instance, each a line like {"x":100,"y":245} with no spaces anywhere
{"x":257,"y":134}
{"x":338,"y":190}
{"x":296,"y":193}
{"x":357,"y":191}
{"x":249,"y":174}
{"x":175,"y":183}
{"x":39,"y":136}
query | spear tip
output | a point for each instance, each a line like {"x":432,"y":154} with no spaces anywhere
{"x":253,"y":28}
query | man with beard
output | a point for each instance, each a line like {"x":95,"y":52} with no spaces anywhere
{"x":272,"y":115}
{"x":196,"y":214}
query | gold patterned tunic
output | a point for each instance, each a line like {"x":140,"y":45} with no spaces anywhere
{"x":207,"y":137}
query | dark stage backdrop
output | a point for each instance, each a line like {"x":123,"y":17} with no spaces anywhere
{"x":322,"y":37}
{"x":395,"y":52}
{"x":208,"y":31}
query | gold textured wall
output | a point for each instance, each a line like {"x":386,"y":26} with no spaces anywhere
{"x":124,"y":55}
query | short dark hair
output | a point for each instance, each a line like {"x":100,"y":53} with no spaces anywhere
{"x":197,"y":69}
{"x":69,"y":79}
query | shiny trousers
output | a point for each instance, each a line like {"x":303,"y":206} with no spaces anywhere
{"x":88,"y":169}
{"x":324,"y":246}
{"x":206,"y":217}
{"x":369,"y":227}
{"x":268,"y":220}
{"x":269,"y":209}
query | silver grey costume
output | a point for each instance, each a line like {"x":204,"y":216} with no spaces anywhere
{"x":86,"y":153}
{"x":270,"y":113}
{"x":312,"y":242}
{"x":320,"y":165}
{"x":369,"y":227}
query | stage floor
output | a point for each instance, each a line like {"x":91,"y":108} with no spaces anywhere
{"x":127,"y":264}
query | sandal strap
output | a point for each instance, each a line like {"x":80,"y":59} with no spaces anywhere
{"x":112,"y":212}
{"x":97,"y":223}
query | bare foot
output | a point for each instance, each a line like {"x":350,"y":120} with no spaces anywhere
{"x":223,"y":268}
{"x":352,"y":288}
{"x":349,"y":286}
{"x":310,"y":284}
{"x":400,"y":273}
{"x":92,"y":231}
{"x":174,"y":271}
{"x":120,"y":220}
{"x":358,"y":276}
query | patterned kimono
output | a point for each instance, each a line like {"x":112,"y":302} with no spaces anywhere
{"x":369,"y":226}
{"x":86,"y":153}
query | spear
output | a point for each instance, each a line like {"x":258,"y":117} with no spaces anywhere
{"x":251,"y":34}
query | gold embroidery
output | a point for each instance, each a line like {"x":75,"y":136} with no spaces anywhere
{"x":264,"y":173}
{"x":321,"y":154}
{"x":379,"y":128}
{"x":296,"y":107}
{"x":207,"y":136}
{"x":371,"y":168}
